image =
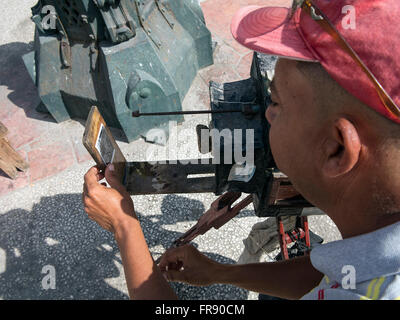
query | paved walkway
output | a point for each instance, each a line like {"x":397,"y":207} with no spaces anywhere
{"x":51,"y":148}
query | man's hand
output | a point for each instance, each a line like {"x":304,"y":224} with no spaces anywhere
{"x":187,"y":264}
{"x":109,"y":207}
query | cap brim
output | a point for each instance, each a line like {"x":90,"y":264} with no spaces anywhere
{"x":268,"y":30}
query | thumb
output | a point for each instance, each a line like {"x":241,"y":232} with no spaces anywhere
{"x":112,"y":179}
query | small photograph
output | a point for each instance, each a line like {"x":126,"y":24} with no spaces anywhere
{"x":104,"y":146}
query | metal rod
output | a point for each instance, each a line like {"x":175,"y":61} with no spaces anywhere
{"x":137,"y":114}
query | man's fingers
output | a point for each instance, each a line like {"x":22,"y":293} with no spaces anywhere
{"x":173,"y":256}
{"x":175,"y":265}
{"x":93,"y":176}
{"x":91,"y":180}
{"x":175,"y":276}
{"x":112,"y":180}
{"x":85,"y":189}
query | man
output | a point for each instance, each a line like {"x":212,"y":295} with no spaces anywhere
{"x":334,"y":131}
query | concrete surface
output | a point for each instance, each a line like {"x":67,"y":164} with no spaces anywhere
{"x":42,"y":222}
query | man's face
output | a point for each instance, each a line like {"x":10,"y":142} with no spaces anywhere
{"x":294,"y":125}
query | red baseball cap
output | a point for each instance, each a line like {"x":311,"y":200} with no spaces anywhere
{"x":371,"y":28}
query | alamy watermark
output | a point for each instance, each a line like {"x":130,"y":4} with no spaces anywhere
{"x":50,"y":17}
{"x":3,"y":261}
{"x":349,"y":20}
{"x":349,"y":278}
{"x":49,"y":280}
{"x":228,"y":142}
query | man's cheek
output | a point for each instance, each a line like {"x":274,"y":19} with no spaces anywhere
{"x":277,"y":145}
{"x":271,"y":113}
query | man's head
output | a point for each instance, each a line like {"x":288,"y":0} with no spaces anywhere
{"x":330,"y":130}
{"x":322,"y":137}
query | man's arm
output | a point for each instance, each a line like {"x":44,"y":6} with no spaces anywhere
{"x":143,"y":277}
{"x":290,"y":279}
{"x":113,"y":209}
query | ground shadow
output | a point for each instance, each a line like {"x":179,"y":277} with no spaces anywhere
{"x":15,"y":77}
{"x":178,"y":209}
{"x":57,"y":232}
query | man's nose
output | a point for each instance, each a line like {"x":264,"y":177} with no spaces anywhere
{"x":271,"y":113}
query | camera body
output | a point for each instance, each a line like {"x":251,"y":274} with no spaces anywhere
{"x":255,"y":173}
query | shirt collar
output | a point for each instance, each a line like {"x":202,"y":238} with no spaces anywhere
{"x":373,"y":255}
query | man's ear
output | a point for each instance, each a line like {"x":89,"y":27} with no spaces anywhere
{"x":341,"y":150}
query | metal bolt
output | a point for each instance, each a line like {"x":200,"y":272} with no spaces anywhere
{"x":145,"y":93}
{"x":84,"y":19}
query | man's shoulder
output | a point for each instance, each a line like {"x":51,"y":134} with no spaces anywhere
{"x":362,"y":266}
{"x":380,"y":288}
